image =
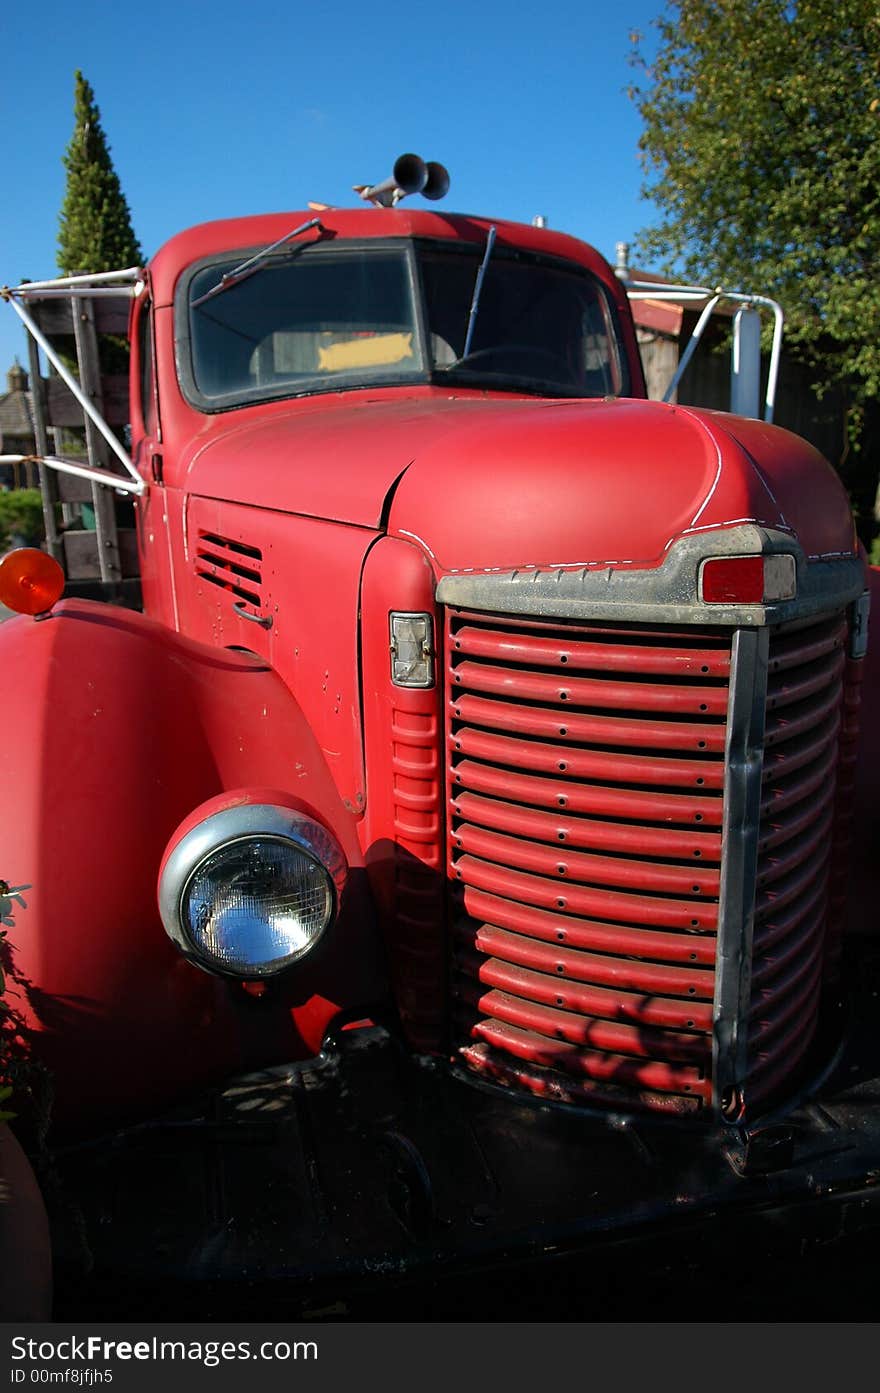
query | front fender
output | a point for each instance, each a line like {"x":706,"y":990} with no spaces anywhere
{"x":115,"y":730}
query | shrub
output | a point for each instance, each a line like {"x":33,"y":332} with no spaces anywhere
{"x":21,"y":519}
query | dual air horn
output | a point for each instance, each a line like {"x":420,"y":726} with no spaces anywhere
{"x":409,"y":175}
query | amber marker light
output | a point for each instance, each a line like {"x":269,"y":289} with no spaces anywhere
{"x":30,"y":581}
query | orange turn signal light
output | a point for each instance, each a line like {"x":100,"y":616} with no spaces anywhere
{"x":30,"y":581}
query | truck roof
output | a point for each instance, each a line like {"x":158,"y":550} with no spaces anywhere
{"x":240,"y":234}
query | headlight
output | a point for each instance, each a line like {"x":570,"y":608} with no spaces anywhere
{"x":250,"y":890}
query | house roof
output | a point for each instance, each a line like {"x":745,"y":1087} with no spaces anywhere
{"x":665,"y":315}
{"x":17,"y":412}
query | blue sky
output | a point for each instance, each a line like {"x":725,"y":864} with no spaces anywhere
{"x":216,"y":110}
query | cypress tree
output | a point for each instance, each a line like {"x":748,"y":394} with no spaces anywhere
{"x":95,"y":231}
{"x":95,"y":224}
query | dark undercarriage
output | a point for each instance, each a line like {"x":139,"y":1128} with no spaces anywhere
{"x":367,"y":1184}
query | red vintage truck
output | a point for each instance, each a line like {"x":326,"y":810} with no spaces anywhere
{"x":452,"y":859}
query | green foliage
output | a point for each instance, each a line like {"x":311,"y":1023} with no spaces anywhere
{"x":761,"y":147}
{"x":21,"y":519}
{"x":95,"y":224}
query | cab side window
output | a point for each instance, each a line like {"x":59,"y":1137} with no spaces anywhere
{"x":147,"y":387}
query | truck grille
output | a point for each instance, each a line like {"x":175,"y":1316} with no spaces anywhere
{"x":801,"y":744}
{"x":587,"y":773}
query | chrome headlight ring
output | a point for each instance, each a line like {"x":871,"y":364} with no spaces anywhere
{"x":251,"y":889}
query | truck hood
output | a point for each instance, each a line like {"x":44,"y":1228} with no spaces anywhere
{"x":334,"y":457}
{"x":611,"y":483}
{"x":486,"y":483}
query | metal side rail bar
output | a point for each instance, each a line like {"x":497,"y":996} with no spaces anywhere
{"x":84,"y":287}
{"x":695,"y":294}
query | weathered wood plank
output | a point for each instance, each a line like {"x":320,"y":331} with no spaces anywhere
{"x":96,"y":446}
{"x":62,"y":408}
{"x":48,"y":489}
{"x":55,"y":316}
{"x":81,"y":555}
{"x":73,"y":489}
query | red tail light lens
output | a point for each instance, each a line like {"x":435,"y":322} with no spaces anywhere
{"x":748,"y":580}
{"x":30,"y":581}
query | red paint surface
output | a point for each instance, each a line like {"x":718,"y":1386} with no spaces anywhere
{"x":313,"y":641}
{"x":558,"y":479}
{"x":122,"y":729}
{"x":403,"y":829}
{"x":592,"y":483}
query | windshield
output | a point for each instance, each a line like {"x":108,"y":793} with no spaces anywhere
{"x":319,"y":317}
{"x":309,"y":321}
{"x":537,"y":323}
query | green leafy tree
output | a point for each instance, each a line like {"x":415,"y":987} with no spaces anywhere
{"x":95,"y":224}
{"x":761,"y":147}
{"x":21,"y":519}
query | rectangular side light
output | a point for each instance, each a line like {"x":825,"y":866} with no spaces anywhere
{"x":412,"y":649}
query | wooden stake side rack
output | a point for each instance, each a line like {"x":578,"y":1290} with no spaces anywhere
{"x":100,"y":561}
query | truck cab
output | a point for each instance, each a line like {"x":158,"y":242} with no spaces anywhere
{"x":361,"y":311}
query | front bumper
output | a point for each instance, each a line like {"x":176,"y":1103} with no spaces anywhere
{"x":366,"y":1169}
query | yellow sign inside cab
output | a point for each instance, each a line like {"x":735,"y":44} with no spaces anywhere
{"x":369,"y":351}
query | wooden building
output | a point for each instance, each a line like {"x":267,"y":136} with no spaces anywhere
{"x":17,"y":429}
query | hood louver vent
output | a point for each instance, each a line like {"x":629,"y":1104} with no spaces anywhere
{"x":231,"y":565}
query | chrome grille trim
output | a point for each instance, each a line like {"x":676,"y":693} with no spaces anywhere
{"x":620,"y":591}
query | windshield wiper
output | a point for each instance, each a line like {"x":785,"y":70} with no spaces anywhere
{"x":478,"y":290}
{"x":475,"y":304}
{"x":253,"y":263}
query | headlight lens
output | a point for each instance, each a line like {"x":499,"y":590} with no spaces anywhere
{"x":250,"y":890}
{"x":256,"y":905}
